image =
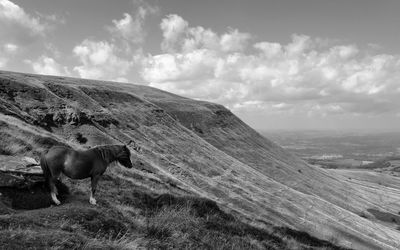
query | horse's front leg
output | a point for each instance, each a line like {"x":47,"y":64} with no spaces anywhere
{"x":94,"y":179}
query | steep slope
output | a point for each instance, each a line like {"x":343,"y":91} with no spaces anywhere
{"x":222,"y":129}
{"x":198,"y":148}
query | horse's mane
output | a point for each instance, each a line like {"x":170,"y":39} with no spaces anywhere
{"x":109,"y":153}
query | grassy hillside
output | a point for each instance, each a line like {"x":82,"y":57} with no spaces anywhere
{"x":131,"y":217}
{"x":198,"y":149}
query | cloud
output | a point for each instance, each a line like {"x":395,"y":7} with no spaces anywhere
{"x":6,"y":51}
{"x":19,"y":27}
{"x":11,"y":48}
{"x":115,"y":58}
{"x":173,"y":27}
{"x":130,"y":29}
{"x":195,"y":65}
{"x":307,"y":75}
{"x":234,"y":41}
{"x":99,"y":60}
{"x":19,"y":31}
{"x":178,"y":36}
{"x":47,"y":66}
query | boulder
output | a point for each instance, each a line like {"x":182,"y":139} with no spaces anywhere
{"x":22,"y":185}
{"x":19,"y":172}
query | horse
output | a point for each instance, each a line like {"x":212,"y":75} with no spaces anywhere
{"x":82,"y":164}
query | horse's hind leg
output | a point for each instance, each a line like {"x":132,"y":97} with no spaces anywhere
{"x":94,"y":179}
{"x":53,"y":188}
{"x":53,"y":191}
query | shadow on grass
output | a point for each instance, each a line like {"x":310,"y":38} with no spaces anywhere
{"x":31,"y":197}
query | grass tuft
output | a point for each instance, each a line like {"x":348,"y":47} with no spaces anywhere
{"x":125,"y":242}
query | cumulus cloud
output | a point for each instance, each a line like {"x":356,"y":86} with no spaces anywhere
{"x":173,"y":28}
{"x":115,"y":58}
{"x":19,"y":30}
{"x":178,"y":36}
{"x":129,"y":30}
{"x":306,"y":75}
{"x":234,"y":41}
{"x":47,"y":66}
{"x":99,"y":60}
{"x":6,"y":51}
{"x":17,"y":26}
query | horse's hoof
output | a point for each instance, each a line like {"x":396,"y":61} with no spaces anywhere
{"x":57,"y":203}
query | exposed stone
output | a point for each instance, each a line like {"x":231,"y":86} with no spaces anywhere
{"x":19,"y":172}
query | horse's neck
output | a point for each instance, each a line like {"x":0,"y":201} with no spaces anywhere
{"x":107,"y":153}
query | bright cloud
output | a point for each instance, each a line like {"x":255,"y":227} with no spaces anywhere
{"x":99,"y":60}
{"x":173,"y":28}
{"x":234,"y":41}
{"x":7,"y":51}
{"x":12,"y":13}
{"x":17,"y":26}
{"x":129,"y":30}
{"x":321,"y":76}
{"x":113,"y":59}
{"x":178,"y":36}
{"x":47,"y":66}
{"x":20,"y":30}
{"x":10,"y":47}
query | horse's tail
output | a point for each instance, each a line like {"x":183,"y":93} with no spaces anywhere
{"x":45,"y":167}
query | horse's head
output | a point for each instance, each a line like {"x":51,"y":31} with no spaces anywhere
{"x":134,"y":145}
{"x":124,"y":157}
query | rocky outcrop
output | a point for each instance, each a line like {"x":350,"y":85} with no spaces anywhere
{"x":19,"y":172}
{"x":22,"y":185}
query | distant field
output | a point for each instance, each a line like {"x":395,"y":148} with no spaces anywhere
{"x":334,"y":149}
{"x":339,"y":163}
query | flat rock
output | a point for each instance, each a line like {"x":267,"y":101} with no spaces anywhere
{"x":20,"y":165}
{"x":19,"y":172}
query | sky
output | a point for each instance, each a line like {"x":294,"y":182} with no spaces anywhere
{"x":287,"y":64}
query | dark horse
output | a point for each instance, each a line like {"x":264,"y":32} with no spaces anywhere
{"x":77,"y":164}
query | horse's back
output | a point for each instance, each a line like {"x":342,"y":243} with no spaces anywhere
{"x":56,"y":155}
{"x":57,"y":151}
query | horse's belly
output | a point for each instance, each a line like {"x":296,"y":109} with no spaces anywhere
{"x":74,"y":175}
{"x":76,"y":170}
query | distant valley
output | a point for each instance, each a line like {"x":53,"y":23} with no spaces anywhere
{"x":342,"y":149}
